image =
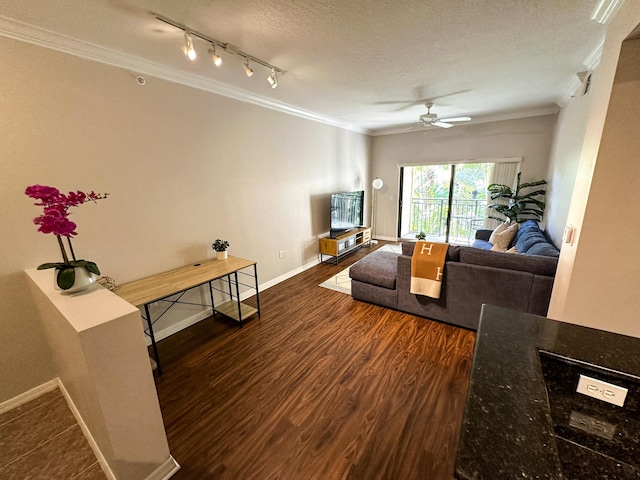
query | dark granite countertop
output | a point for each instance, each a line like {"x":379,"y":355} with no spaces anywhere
{"x":523,"y":417}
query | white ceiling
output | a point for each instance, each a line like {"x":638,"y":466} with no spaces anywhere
{"x":369,"y":65}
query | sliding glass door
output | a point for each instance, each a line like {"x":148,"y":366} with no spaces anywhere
{"x":447,"y":202}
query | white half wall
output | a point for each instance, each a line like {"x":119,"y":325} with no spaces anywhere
{"x":102,"y":360}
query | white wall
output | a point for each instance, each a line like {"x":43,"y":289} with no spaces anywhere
{"x":529,"y":138}
{"x":598,"y":276}
{"x":183,"y":168}
{"x":563,"y":168}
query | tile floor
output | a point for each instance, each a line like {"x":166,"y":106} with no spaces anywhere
{"x":42,"y":440}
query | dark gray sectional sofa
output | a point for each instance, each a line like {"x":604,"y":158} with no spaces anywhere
{"x":472,"y":277}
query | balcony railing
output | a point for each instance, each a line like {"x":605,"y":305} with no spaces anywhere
{"x":429,"y":215}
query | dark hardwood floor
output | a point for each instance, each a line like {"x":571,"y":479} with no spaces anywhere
{"x":320,"y":387}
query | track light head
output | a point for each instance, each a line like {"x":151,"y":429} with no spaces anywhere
{"x":215,"y":58}
{"x":189,"y":51}
{"x":247,"y":68}
{"x":273,"y":78}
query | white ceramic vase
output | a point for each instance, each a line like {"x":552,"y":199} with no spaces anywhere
{"x":221,"y":255}
{"x":84,"y":279}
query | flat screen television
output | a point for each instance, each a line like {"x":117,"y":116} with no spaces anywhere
{"x":347,"y":211}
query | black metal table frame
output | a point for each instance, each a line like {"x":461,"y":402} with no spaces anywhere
{"x":229,"y":282}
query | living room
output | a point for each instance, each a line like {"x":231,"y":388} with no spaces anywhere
{"x":184,"y":167}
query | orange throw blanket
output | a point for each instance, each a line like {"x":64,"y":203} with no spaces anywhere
{"x":427,"y":268}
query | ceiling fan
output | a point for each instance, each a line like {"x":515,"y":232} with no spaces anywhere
{"x":431,"y":119}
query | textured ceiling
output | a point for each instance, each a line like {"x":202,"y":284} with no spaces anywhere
{"x":366,"y":64}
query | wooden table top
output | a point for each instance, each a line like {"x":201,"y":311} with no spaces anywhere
{"x":152,"y":288}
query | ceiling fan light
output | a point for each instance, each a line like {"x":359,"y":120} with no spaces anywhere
{"x":189,"y":51}
{"x":247,"y":68}
{"x":273,"y":78}
{"x":215,"y":58}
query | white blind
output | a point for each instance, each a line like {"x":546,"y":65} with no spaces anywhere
{"x":504,"y":173}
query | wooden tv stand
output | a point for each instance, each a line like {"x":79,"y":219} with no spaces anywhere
{"x":345,"y":243}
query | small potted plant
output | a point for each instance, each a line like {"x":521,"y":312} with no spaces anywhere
{"x":220,"y":246}
{"x":421,"y":236}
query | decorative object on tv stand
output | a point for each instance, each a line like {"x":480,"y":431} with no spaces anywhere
{"x":520,"y":206}
{"x":70,"y":275}
{"x":220,"y":246}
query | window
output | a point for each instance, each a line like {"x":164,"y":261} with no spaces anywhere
{"x":448,"y":202}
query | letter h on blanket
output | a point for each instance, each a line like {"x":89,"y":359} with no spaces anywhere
{"x":427,"y":266}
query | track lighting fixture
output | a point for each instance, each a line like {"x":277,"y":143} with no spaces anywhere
{"x":189,"y":51}
{"x":215,"y":58}
{"x":273,"y":78}
{"x":247,"y":68}
{"x":229,"y":49}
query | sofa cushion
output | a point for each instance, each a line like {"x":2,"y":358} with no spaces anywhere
{"x":407,"y":248}
{"x":377,"y":268}
{"x":523,"y":263}
{"x":545,"y":249}
{"x":453,"y":253}
{"x":474,"y":285}
{"x":483,"y":244}
{"x":483,"y":234}
{"x":497,"y":231}
{"x":365,"y":292}
{"x":502,"y":240}
{"x":529,"y":235}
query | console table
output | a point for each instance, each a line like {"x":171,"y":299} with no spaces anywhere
{"x":344,"y":243}
{"x":148,"y":290}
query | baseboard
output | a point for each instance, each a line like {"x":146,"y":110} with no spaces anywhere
{"x":87,"y":433}
{"x":165,"y":471}
{"x":388,"y":239}
{"x":181,"y":325}
{"x":288,"y":275}
{"x":28,"y":395}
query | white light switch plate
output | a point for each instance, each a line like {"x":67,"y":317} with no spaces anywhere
{"x":604,"y":391}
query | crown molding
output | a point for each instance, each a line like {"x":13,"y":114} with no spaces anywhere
{"x":495,"y":117}
{"x":41,"y":37}
{"x":606,"y":10}
{"x":591,"y":62}
{"x":593,"y":59}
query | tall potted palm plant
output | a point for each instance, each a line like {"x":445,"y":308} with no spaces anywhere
{"x":517,"y":206}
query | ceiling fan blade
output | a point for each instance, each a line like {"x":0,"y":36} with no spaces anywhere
{"x":456,"y":119}
{"x":441,"y":124}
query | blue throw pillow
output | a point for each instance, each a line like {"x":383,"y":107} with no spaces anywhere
{"x":483,"y":244}
{"x":526,"y":228}
{"x":528,"y":235}
{"x":544,"y":249}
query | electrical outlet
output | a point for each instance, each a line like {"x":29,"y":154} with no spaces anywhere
{"x":607,"y":392}
{"x":592,"y":425}
{"x":281,"y":254}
